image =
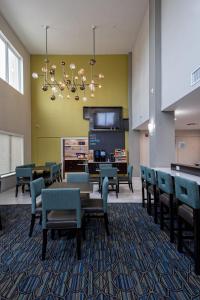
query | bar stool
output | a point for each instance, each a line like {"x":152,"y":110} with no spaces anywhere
{"x":166,"y":197}
{"x":144,"y":183}
{"x":152,"y":191}
{"x":187,"y":193}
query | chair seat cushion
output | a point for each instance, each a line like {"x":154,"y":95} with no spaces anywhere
{"x":186,"y":213}
{"x":92,"y":205}
{"x":62,"y":219}
{"x":165,"y":199}
{"x":123,"y":178}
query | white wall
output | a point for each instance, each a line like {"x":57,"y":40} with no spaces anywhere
{"x":188,"y":146}
{"x":15,"y":108}
{"x":144,"y":148}
{"x":180,"y":48}
{"x":140,"y":75}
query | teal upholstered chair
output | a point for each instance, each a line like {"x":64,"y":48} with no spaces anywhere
{"x":52,"y":176}
{"x":106,"y":165}
{"x":152,"y":191}
{"x":24,"y":176}
{"x":98,"y":207}
{"x":112,"y":175}
{"x":187,"y":193}
{"x":144,"y":184}
{"x":167,"y":201}
{"x":61,"y":209}
{"x":127,"y":179}
{"x":81,"y":177}
{"x":36,"y":206}
{"x":32,"y":165}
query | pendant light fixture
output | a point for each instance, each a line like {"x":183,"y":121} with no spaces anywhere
{"x":72,"y":81}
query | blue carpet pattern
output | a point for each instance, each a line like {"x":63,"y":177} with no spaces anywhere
{"x":136,"y":261}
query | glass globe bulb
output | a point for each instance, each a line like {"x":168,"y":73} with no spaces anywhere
{"x":35,"y":75}
{"x":54,"y":89}
{"x":100,"y":86}
{"x":76,"y":77}
{"x":84,"y":98}
{"x":92,"y":95}
{"x":72,"y":66}
{"x":84,"y":78}
{"x":68,"y":96}
{"x":53,"y":67}
{"x":81,"y":72}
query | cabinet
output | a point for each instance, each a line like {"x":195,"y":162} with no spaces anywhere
{"x":75,"y":154}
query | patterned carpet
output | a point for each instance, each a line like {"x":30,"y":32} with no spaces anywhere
{"x":137,"y":261}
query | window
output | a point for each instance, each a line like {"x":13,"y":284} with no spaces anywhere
{"x":11,"y":64}
{"x":11,"y":152}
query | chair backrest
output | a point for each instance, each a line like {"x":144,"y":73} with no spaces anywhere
{"x":187,"y":191}
{"x":150,"y":176}
{"x":165,"y":182}
{"x":108,"y":172}
{"x":23,"y":173}
{"x":102,"y":166}
{"x":49,"y":163}
{"x":53,"y":171}
{"x":130,"y":172}
{"x":36,"y":189}
{"x":143,"y":172}
{"x":27,"y":166}
{"x":61,"y":199}
{"x":105,"y":193}
{"x":78,"y":177}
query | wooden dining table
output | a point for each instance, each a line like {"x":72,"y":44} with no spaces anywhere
{"x":85,"y":188}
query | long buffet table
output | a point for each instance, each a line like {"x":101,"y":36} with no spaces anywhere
{"x":174,"y":173}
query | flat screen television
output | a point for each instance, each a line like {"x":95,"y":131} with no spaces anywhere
{"x":107,"y":120}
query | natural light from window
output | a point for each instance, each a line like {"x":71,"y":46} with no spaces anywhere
{"x":11,"y":64}
{"x":11,"y":152}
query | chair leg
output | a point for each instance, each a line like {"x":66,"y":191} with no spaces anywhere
{"x":44,"y":244}
{"x":52,"y":234}
{"x":83,"y":228}
{"x":180,"y":233}
{"x":0,"y":223}
{"x":155,"y":208}
{"x":78,"y":241}
{"x":171,"y":215}
{"x":23,"y":188}
{"x":196,"y":242}
{"x":143,"y":203}
{"x":32,"y":224}
{"x":106,"y":223}
{"x":149,"y":203}
{"x":161,"y":216}
{"x":131,"y":187}
{"x":16,"y":190}
{"x":40,"y":222}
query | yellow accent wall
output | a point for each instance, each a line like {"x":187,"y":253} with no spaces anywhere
{"x":52,"y":120}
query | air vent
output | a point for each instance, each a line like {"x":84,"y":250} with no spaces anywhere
{"x":195,"y":76}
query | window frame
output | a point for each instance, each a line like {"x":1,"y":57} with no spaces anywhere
{"x":9,"y":46}
{"x":10,"y":134}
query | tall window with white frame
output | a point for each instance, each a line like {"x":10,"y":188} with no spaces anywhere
{"x":11,"y":152}
{"x":11,"y":64}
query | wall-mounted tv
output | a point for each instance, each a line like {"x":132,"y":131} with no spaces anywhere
{"x":106,"y":120}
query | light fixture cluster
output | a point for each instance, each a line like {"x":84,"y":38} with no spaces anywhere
{"x":72,"y":81}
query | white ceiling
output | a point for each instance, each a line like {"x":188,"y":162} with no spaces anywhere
{"x":70,"y":32}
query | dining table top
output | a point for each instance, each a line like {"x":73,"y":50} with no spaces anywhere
{"x":41,"y":168}
{"x":174,"y":173}
{"x":85,"y":188}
